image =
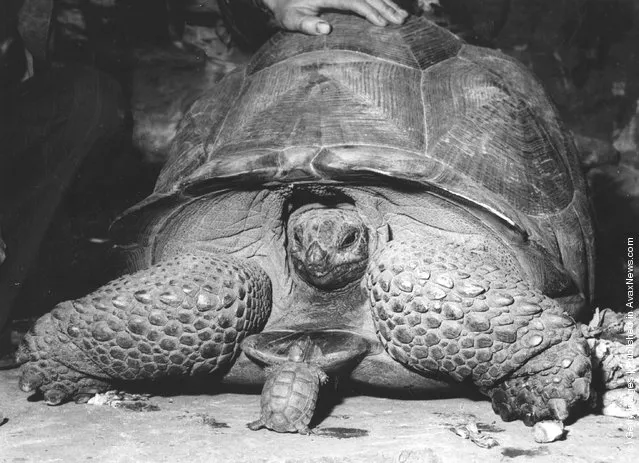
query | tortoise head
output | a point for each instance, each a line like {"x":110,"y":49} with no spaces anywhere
{"x":328,"y":246}
{"x":304,"y":350}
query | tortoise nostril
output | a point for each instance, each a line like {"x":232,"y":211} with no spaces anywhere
{"x":315,"y":255}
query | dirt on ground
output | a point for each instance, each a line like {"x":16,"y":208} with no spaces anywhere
{"x":212,"y":428}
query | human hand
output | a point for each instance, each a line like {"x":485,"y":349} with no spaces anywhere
{"x":303,"y":15}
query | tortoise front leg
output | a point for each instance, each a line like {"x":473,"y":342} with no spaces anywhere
{"x":185,"y":316}
{"x":455,"y":309}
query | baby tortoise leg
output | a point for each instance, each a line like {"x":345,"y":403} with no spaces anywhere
{"x":257,"y":424}
{"x":456,"y":309}
{"x":322,"y":378}
{"x":183,"y":317}
{"x":304,"y":430}
{"x":270,"y":372}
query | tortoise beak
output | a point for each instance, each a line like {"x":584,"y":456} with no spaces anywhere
{"x":316,"y":259}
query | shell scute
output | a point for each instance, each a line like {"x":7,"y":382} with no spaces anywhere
{"x":400,"y":45}
{"x":356,"y":99}
{"x":289,"y":397}
{"x":407,"y":102}
{"x":489,"y":135}
{"x":202,"y":122}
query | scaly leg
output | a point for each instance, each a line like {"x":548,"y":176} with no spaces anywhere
{"x":185,"y":316}
{"x":449,"y":308}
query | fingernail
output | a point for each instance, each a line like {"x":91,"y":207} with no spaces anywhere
{"x":398,"y":18}
{"x":323,"y":28}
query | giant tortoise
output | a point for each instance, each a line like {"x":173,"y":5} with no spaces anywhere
{"x":394,"y":183}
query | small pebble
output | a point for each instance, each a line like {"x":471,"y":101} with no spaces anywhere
{"x":620,"y":403}
{"x":548,"y":431}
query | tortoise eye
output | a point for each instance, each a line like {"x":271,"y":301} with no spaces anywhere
{"x":349,"y":239}
{"x":297,"y":238}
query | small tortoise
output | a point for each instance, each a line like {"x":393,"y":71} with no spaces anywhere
{"x":290,"y":393}
{"x":393,"y":182}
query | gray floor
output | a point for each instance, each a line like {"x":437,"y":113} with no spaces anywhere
{"x":360,"y":429}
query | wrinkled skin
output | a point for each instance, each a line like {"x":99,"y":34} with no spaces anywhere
{"x":328,"y":248}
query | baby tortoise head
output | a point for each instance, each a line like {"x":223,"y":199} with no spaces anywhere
{"x":304,"y":350}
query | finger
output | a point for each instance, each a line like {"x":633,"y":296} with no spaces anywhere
{"x":379,"y":12}
{"x":305,"y":23}
{"x":389,"y":10}
{"x":361,"y":7}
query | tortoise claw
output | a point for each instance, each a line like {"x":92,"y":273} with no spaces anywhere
{"x":55,"y":396}
{"x":559,"y":408}
{"x":82,"y":398}
{"x":547,"y":387}
{"x":85,"y":394}
{"x":529,"y":418}
{"x":256,"y":425}
{"x":31,"y":380}
{"x":505,"y":412}
{"x":57,"y":382}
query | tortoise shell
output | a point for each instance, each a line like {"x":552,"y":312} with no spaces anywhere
{"x":289,"y":397}
{"x":337,"y":348}
{"x":410,"y":104}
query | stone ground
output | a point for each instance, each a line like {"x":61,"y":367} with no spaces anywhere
{"x":212,"y":428}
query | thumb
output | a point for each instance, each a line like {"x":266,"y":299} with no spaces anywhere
{"x":307,"y":24}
